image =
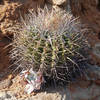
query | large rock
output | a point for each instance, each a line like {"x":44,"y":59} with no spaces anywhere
{"x":89,"y":13}
{"x":11,"y":10}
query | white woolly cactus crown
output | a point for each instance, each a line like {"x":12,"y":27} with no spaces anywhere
{"x":50,"y":42}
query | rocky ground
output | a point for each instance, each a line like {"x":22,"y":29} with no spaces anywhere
{"x":87,"y":88}
{"x":78,"y":93}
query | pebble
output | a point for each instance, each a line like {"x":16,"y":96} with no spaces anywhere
{"x":5,"y":83}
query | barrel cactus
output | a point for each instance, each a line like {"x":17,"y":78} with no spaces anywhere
{"x":50,"y":42}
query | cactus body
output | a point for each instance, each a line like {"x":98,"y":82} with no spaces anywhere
{"x":54,"y":51}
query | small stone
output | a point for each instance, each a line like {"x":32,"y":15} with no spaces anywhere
{"x":96,"y":49}
{"x":84,"y":84}
{"x":57,"y":2}
{"x":97,"y":82}
{"x":2,"y":16}
{"x":2,"y":94}
{"x":23,"y":83}
{"x":5,"y":83}
{"x":8,"y":96}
